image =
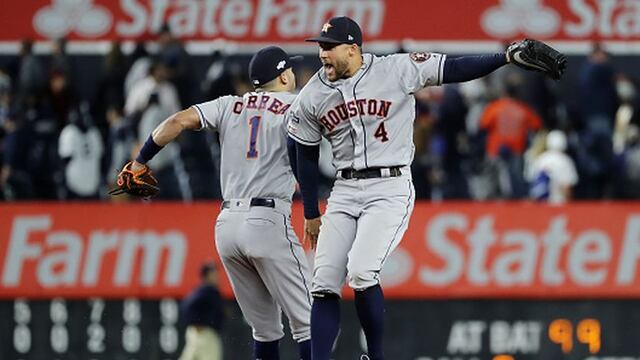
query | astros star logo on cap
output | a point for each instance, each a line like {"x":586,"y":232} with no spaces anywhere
{"x":326,"y":27}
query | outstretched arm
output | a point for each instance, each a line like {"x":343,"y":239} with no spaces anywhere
{"x":528,"y":54}
{"x":465,"y":68}
{"x":165,"y":133}
{"x":136,"y":178}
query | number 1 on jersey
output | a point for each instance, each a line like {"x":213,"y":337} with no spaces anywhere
{"x":254,"y":125}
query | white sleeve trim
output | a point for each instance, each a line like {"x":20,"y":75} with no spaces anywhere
{"x":443,"y":57}
{"x":303,"y":141}
{"x":203,"y":121}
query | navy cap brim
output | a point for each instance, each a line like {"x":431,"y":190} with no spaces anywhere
{"x":325,"y":40}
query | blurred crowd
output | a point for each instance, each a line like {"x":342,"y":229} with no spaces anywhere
{"x":506,"y":136}
{"x":510,"y":136}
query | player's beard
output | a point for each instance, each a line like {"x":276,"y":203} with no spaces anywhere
{"x":338,"y":70}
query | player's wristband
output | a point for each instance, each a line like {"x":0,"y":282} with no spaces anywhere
{"x":148,"y":150}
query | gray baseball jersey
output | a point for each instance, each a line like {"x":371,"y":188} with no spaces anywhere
{"x":260,"y":252}
{"x":368,"y":119}
{"x":254,"y":160}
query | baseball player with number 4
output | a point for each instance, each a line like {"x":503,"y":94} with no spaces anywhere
{"x":261,"y":254}
{"x":364,"y":106}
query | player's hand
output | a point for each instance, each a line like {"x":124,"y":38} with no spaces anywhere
{"x":136,"y":166}
{"x":311,"y":231}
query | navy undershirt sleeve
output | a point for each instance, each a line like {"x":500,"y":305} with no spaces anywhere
{"x":465,"y":68}
{"x":308,"y":175}
{"x":293,"y":158}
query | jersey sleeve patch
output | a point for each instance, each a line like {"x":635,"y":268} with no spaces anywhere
{"x":419,"y":56}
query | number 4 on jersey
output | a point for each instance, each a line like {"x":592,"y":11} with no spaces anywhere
{"x":381,"y":133}
{"x":254,"y":125}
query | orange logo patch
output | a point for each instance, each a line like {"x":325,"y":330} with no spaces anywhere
{"x":419,"y":56}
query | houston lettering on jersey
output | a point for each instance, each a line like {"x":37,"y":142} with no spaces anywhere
{"x":361,"y":107}
{"x":262,"y":102}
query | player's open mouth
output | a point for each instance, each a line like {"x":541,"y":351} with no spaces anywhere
{"x":328,"y":66}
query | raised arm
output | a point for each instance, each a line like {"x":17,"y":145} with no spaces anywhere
{"x":165,"y":133}
{"x":528,"y":54}
{"x":465,"y":68}
{"x":136,"y":178}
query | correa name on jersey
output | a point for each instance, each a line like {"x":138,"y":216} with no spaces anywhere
{"x":272,"y":104}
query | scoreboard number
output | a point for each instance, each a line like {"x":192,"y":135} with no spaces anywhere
{"x":588,"y":332}
{"x":59,"y":336}
{"x":21,"y":332}
{"x":95,"y":331}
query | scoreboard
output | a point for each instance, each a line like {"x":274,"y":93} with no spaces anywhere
{"x":90,"y":329}
{"x":135,"y":329}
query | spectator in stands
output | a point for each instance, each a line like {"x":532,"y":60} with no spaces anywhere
{"x":451,"y":126}
{"x":476,"y":94}
{"x":5,"y":100}
{"x":421,"y":168}
{"x":156,"y":82}
{"x":111,"y":84}
{"x":626,"y":141}
{"x":507,"y":122}
{"x":36,"y":142}
{"x":120,"y":143}
{"x":598,"y":99}
{"x":627,"y":177}
{"x":217,"y":81}
{"x":165,"y":162}
{"x":15,"y":172}
{"x":172,"y":53}
{"x":598,"y":105}
{"x":553,"y":173}
{"x":139,"y":65}
{"x":81,"y":149}
{"x":202,"y":312}
{"x":60,"y":97}
{"x":31,"y":76}
{"x":627,"y":113}
{"x":60,"y":61}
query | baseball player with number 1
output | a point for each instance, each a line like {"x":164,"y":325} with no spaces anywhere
{"x":261,"y":254}
{"x":364,"y":105}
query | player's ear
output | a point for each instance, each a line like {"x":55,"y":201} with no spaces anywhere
{"x":283,"y":78}
{"x":353,"y":49}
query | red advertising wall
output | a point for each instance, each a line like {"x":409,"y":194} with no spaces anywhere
{"x":451,"y":250}
{"x":291,"y":21}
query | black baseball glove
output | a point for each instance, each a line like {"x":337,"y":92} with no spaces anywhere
{"x":537,"y":56}
{"x":139,"y":183}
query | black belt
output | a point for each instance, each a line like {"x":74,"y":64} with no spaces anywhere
{"x":254,"y":202}
{"x":369,"y":173}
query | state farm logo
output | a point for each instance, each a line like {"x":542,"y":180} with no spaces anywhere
{"x":79,"y":16}
{"x":231,"y":19}
{"x":36,"y":253}
{"x":512,"y":17}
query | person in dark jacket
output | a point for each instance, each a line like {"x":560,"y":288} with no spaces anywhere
{"x":203,"y":314}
